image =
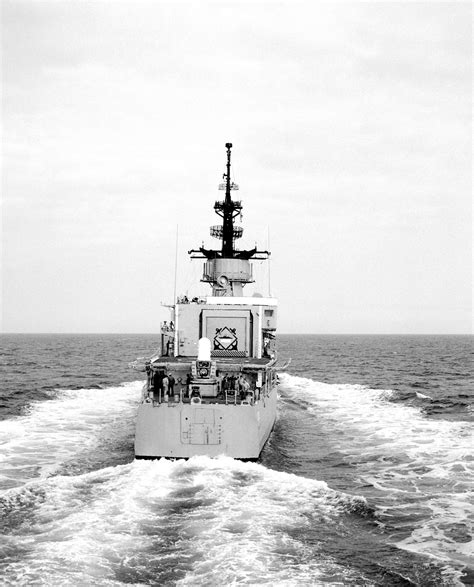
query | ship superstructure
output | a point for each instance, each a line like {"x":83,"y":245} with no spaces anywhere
{"x":212,"y":389}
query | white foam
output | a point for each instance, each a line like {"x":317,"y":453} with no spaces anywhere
{"x":211,"y":521}
{"x":242,"y":526}
{"x":423,"y":396}
{"x":416,"y":463}
{"x":52,"y":432}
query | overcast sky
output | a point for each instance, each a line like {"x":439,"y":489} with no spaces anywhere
{"x":351,"y":125}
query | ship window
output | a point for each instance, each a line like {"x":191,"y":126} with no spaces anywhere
{"x":268,"y":312}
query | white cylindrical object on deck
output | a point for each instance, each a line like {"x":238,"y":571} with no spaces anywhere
{"x":204,"y":349}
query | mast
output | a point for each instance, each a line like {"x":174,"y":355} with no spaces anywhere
{"x":228,"y":210}
{"x":228,"y":217}
{"x":227,"y":269}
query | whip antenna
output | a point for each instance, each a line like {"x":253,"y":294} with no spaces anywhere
{"x":175,"y":265}
{"x":269,"y":264}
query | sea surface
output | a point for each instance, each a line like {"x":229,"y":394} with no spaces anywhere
{"x":364,"y":481}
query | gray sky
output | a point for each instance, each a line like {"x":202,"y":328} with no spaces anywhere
{"x":351,"y":125}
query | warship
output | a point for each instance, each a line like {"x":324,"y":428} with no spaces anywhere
{"x":212,"y":388}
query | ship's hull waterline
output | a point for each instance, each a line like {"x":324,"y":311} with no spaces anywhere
{"x":178,"y":430}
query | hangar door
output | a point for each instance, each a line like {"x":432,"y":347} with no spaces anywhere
{"x":230,"y":332}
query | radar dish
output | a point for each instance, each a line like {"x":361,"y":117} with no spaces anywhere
{"x":217,"y":231}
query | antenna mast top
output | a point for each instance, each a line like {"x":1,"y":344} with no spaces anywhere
{"x":228,"y":209}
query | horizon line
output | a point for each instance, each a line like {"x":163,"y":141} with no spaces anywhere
{"x":278,"y":334}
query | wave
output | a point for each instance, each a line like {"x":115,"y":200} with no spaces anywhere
{"x":201,"y":521}
{"x":416,"y":471}
{"x":71,"y":518}
{"x":76,"y":423}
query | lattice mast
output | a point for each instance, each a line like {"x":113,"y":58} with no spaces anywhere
{"x":228,"y":269}
{"x":229,"y":211}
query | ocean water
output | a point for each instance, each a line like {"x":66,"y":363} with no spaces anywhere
{"x":364,"y":481}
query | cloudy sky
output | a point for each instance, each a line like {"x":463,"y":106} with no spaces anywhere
{"x":351,"y":125}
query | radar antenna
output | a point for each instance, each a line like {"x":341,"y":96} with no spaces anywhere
{"x":228,"y":209}
{"x":228,"y":213}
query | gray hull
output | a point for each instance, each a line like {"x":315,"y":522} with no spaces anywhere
{"x":180,"y":430}
{"x":211,"y":389}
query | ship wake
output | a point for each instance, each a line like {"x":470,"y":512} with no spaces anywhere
{"x":416,"y":471}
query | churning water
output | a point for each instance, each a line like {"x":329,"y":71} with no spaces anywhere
{"x":365,"y":479}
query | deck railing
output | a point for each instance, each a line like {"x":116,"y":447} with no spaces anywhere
{"x":229,"y":397}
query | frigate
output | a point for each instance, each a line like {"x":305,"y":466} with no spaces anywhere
{"x":212,"y":388}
